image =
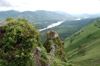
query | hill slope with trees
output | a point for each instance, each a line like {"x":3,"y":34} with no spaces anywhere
{"x":35,"y":16}
{"x":83,"y":47}
{"x":68,"y":27}
{"x":41,"y":17}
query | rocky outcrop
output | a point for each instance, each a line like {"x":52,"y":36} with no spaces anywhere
{"x":49,"y":43}
{"x":38,"y":55}
{"x":54,"y":46}
{"x":53,"y":51}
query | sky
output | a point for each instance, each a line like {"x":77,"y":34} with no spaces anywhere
{"x":69,"y":6}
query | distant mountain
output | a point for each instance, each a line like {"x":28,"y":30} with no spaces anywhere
{"x":64,"y":13}
{"x":86,"y":15}
{"x":5,"y":14}
{"x":11,"y":13}
{"x":36,"y":16}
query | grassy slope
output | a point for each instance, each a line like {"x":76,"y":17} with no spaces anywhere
{"x":89,"y":37}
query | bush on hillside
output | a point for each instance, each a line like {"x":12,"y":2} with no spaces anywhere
{"x":81,"y":50}
{"x":17,"y":40}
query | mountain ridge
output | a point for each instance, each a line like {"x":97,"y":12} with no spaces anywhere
{"x":35,"y":16}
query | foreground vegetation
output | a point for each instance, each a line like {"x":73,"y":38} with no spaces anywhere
{"x":17,"y":40}
{"x":20,"y":45}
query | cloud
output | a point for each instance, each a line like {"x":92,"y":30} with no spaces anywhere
{"x":69,"y":6}
{"x":4,"y":3}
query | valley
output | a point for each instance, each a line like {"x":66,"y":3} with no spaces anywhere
{"x":58,"y":38}
{"x":68,"y":27}
{"x":82,"y":47}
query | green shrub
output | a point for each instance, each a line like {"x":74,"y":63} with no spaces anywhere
{"x":81,"y":50}
{"x":17,"y":42}
{"x":47,"y":45}
{"x":55,"y":40}
{"x":44,"y":59}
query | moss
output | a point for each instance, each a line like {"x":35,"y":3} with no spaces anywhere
{"x":55,"y":40}
{"x":52,"y":33}
{"x":47,"y":45}
{"x":44,"y":59}
{"x":43,"y":54}
{"x":60,"y":50}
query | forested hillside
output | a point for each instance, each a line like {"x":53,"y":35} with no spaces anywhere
{"x":35,"y":16}
{"x":83,"y":47}
{"x":68,"y":27}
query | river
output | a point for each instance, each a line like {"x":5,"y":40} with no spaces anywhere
{"x":55,"y":24}
{"x":51,"y":26}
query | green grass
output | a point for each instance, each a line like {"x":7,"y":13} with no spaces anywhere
{"x":57,"y":62}
{"x":91,"y":57}
{"x":89,"y":38}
